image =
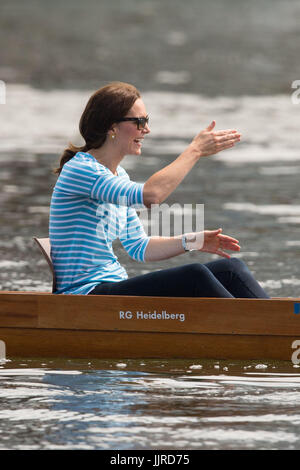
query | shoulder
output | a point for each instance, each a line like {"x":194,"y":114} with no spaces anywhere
{"x":85,"y":162}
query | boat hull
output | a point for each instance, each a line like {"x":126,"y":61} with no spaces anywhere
{"x":120,"y":327}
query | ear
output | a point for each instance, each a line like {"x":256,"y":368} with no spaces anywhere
{"x":111,"y":134}
{"x":112,"y":130}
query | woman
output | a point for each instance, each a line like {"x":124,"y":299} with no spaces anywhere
{"x":94,"y":201}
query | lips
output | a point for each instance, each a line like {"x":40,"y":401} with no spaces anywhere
{"x":138,"y":143}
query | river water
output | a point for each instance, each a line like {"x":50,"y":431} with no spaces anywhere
{"x":237,"y":72}
{"x":137,"y":405}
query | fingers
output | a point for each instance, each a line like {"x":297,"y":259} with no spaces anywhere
{"x":228,"y":243}
{"x":234,"y":136}
{"x":234,"y":248}
{"x":224,"y":140}
{"x":231,"y":247}
{"x":227,"y":141}
{"x":215,"y":232}
{"x":225,"y":132}
{"x":211,"y":126}
{"x":223,"y":254}
{"x":225,"y":145}
{"x":225,"y":238}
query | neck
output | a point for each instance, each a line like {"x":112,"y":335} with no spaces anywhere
{"x":107,"y":157}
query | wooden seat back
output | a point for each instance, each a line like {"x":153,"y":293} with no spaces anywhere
{"x":45,"y":247}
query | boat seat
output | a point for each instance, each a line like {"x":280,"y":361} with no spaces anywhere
{"x":45,"y":247}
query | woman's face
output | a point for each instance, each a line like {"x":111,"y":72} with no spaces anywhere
{"x":127,"y":136}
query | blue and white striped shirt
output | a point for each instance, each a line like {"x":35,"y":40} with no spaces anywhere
{"x":90,"y":208}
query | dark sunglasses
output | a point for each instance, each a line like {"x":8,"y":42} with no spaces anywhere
{"x":139,"y":121}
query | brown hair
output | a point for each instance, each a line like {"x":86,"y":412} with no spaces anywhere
{"x":103,"y":109}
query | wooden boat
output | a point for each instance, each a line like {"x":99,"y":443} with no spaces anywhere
{"x":48,"y":325}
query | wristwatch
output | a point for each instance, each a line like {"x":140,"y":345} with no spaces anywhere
{"x":188,"y":242}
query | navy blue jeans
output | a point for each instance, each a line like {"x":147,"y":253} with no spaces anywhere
{"x":220,"y":278}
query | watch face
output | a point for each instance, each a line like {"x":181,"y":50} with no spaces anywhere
{"x":190,"y":242}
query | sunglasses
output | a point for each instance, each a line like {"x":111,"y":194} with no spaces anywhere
{"x":140,"y":122}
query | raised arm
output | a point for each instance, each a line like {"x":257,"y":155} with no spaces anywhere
{"x":208,"y":142}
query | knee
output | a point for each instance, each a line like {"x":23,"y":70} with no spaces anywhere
{"x":196,"y":269}
{"x":236,"y":264}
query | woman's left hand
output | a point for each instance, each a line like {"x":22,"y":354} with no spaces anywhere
{"x":215,"y":242}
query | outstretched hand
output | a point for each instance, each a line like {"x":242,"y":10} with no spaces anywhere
{"x":215,"y":242}
{"x":208,"y":142}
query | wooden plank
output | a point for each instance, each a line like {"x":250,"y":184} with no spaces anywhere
{"x":23,"y":292}
{"x":18,"y":310}
{"x":131,"y":313}
{"x":125,"y":345}
{"x":189,"y":315}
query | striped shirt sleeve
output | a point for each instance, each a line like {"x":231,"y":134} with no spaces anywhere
{"x":83,"y":177}
{"x":133,"y":237}
{"x":117,"y":190}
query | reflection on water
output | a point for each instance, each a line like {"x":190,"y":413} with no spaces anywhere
{"x":94,"y":404}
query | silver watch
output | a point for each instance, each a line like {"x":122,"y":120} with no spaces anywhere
{"x":188,"y":241}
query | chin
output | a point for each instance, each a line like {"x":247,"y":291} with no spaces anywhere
{"x":135,"y":152}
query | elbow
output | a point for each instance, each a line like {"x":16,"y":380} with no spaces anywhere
{"x":150,"y":198}
{"x":151,"y":202}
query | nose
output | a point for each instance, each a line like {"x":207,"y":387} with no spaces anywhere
{"x":146,"y":129}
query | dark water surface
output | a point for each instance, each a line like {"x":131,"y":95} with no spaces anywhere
{"x":126,"y":404}
{"x":222,"y":47}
